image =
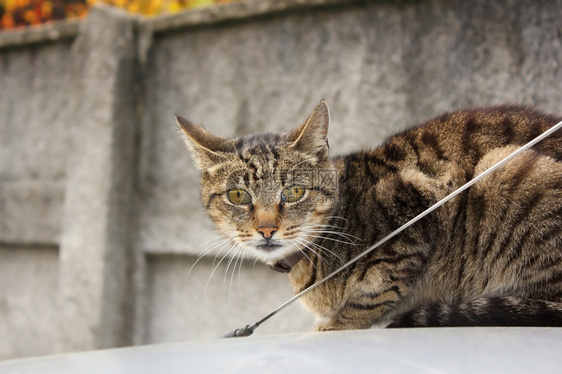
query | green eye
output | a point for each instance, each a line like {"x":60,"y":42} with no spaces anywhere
{"x":292,"y":194}
{"x":239,"y":196}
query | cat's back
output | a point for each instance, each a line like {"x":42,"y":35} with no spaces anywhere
{"x":417,"y":167}
{"x":452,"y":143}
{"x":466,"y":135}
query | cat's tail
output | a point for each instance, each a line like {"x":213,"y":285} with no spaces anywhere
{"x":500,"y":311}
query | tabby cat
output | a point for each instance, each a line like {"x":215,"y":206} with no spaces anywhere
{"x":491,"y":256}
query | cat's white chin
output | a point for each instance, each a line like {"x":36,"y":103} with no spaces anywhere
{"x":270,"y":254}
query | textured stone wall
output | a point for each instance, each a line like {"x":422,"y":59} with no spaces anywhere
{"x":33,"y":154}
{"x":100,"y":218}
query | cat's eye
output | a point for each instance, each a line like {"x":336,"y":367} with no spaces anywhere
{"x":238,"y":196}
{"x":292,"y":194}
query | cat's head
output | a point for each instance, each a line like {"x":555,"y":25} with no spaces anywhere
{"x":271,"y":194}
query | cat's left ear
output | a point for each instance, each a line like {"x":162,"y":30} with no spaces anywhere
{"x":207,"y":149}
{"x":312,"y":136}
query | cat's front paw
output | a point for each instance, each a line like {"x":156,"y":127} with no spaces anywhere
{"x":347,"y":324}
{"x":325,"y":328}
{"x":330,"y":327}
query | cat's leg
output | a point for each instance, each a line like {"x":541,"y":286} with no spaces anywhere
{"x":374,"y":289}
{"x":500,"y":311}
{"x":379,"y":282}
{"x":362,"y":312}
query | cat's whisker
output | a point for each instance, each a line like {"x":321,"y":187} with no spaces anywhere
{"x":237,"y":255}
{"x":338,"y":217}
{"x":319,"y":249}
{"x":294,"y":242}
{"x":331,"y":227}
{"x":328,"y":238}
{"x":240,"y":264}
{"x":222,"y":248}
{"x":236,"y":249}
{"x":213,"y":238}
{"x":348,"y":238}
{"x":223,"y":242}
{"x":331,"y":224}
{"x":240,"y":260}
{"x":298,"y":241}
{"x":336,"y":230}
{"x":324,"y":249}
{"x":217,"y":266}
{"x":326,"y":230}
{"x":240,"y":268}
{"x":318,"y":226}
{"x":209,"y":249}
{"x":325,"y":225}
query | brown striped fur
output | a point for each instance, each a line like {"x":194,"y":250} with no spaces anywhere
{"x":491,"y":256}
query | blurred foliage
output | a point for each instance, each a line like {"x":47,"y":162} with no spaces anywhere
{"x":18,"y":13}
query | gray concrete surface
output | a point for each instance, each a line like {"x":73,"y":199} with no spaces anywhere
{"x":100,"y":219}
{"x":33,"y":139}
{"x":28,"y":300}
{"x":94,"y":271}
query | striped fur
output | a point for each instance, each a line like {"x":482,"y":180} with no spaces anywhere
{"x":491,"y":256}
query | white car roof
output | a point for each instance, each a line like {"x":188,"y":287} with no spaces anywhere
{"x":421,"y":350}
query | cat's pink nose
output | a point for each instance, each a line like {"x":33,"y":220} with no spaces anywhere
{"x":267,"y":232}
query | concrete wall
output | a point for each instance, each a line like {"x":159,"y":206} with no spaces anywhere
{"x":100,"y":219}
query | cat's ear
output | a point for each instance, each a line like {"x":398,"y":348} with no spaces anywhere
{"x":207,"y":149}
{"x":312,"y":136}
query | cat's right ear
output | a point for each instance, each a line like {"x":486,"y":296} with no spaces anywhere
{"x":312,"y":136}
{"x":206,"y":149}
